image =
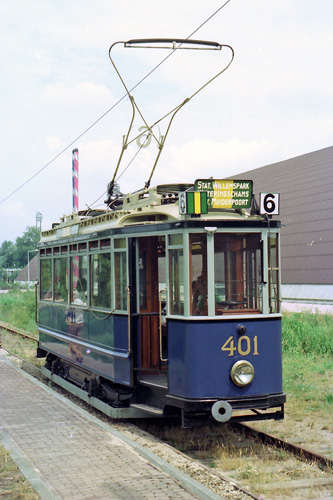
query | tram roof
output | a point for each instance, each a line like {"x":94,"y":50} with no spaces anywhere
{"x":158,"y":205}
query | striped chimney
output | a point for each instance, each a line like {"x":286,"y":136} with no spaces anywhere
{"x":75,"y":179}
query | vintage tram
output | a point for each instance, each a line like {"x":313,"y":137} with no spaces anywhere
{"x":166,"y":306}
{"x":166,"y":303}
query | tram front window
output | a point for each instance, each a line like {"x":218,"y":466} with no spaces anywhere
{"x":198,"y":261}
{"x":176,"y":288}
{"x":273,"y":274}
{"x":176,"y":274}
{"x":237,"y":266}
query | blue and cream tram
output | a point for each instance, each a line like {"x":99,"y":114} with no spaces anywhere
{"x":167,"y":305}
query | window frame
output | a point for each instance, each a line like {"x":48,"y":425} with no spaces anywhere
{"x":92,"y":304}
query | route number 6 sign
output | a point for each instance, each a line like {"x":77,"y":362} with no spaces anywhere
{"x":269,"y":203}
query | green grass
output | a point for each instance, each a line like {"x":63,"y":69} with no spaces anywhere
{"x":307,"y":382}
{"x":307,"y":334}
{"x":307,"y":343}
{"x":18,"y":309}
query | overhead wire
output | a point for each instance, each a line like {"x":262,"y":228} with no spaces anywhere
{"x":107,"y":112}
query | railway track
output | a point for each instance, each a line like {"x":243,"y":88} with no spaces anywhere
{"x":276,"y":460}
{"x":257,"y":462}
{"x":25,"y":335}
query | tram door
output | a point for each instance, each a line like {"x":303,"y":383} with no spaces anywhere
{"x":151,"y":266}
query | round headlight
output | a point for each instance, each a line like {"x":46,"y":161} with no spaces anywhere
{"x":242,"y":373}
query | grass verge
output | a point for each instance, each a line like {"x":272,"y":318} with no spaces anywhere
{"x":17,"y":308}
{"x":13,"y":486}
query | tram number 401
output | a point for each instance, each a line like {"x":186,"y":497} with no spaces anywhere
{"x":242,"y":346}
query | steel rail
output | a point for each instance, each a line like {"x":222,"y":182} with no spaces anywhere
{"x":22,"y":334}
{"x":19,"y":357}
{"x":296,"y":450}
{"x":17,"y":332}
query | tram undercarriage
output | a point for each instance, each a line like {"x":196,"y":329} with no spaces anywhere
{"x":149,"y":400}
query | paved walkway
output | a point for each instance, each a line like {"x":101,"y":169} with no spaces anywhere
{"x":67,"y":454}
{"x":303,"y":307}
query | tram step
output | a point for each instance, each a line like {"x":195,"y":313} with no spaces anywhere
{"x":147,"y":408}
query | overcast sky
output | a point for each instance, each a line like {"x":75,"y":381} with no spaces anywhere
{"x":274,"y":102}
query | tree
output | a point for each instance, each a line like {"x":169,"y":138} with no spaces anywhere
{"x":24,"y":244}
{"x":7,"y":251}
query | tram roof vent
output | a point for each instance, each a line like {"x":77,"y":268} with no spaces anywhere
{"x":142,"y":198}
{"x":160,"y":195}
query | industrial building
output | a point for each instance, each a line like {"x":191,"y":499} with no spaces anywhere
{"x":305,"y":184}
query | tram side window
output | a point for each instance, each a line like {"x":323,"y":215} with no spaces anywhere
{"x":61,"y":279}
{"x":101,"y":280}
{"x":46,"y":279}
{"x":273,"y":274}
{"x":79,"y":277}
{"x":120,"y":267}
{"x":254,"y":272}
{"x":176,"y":278}
{"x":198,"y":263}
{"x":237,"y":264}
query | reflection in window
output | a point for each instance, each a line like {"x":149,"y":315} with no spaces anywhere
{"x":46,"y":279}
{"x":176,"y":285}
{"x":120,"y":281}
{"x":273,"y":274}
{"x":79,"y":276}
{"x":101,"y":280}
{"x":237,"y":264}
{"x":198,"y":260}
{"x":61,"y":279}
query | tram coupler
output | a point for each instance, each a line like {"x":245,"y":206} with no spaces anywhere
{"x":222,"y":411}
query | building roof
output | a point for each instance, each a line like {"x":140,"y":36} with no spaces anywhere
{"x":33,"y":271}
{"x":305,"y":184}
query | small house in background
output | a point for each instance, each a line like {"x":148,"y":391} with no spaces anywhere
{"x":8,"y":272}
{"x":29,"y":274}
{"x":305,"y":184}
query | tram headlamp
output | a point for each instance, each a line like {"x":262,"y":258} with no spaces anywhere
{"x":242,"y":373}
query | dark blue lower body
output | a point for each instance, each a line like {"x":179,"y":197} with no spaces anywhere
{"x":202,"y":353}
{"x":98,"y":344}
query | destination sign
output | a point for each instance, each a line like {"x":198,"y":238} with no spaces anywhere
{"x":225,"y":193}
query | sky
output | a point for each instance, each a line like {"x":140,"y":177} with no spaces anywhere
{"x":59,"y":91}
